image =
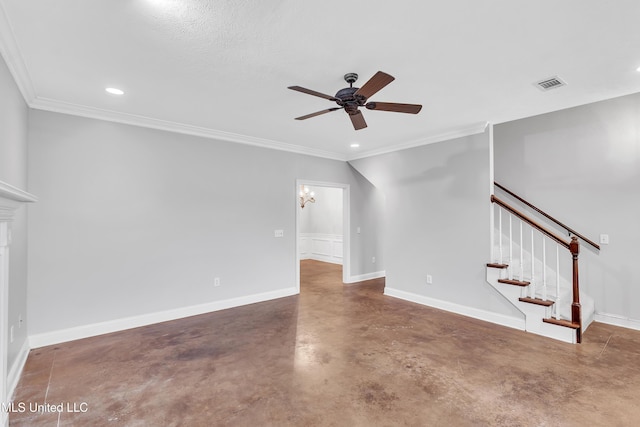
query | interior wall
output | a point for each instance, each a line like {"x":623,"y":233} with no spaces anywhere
{"x":582,"y":166}
{"x":133,"y":220}
{"x":370,"y":224}
{"x":325,"y":215}
{"x":436,"y":222}
{"x":13,"y":171}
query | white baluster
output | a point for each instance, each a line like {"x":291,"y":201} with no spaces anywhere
{"x":521,"y":254}
{"x":510,"y":247}
{"x":544,"y":269}
{"x":557,"y":304}
{"x":533,"y":262}
{"x":500,"y":261}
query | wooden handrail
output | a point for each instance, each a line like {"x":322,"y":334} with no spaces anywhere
{"x":531,"y":222}
{"x":546,"y":215}
{"x":573,"y":246}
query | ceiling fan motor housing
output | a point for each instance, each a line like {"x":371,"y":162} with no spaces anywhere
{"x":349,"y":100}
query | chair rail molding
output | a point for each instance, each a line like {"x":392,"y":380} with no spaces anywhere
{"x":11,"y":198}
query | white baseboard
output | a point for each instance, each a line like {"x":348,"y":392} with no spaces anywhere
{"x":487,"y":316}
{"x":366,"y":276}
{"x":85,"y":331}
{"x":16,"y":369}
{"x":616,"y":320}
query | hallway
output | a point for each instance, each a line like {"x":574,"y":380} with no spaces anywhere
{"x":336,"y":355}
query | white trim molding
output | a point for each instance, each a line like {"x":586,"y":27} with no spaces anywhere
{"x":321,"y":247}
{"x":461,"y":132}
{"x":487,"y":316}
{"x":367,"y":276}
{"x":11,"y":198}
{"x":86,"y":331}
{"x":56,"y":106}
{"x":16,"y":370}
{"x":15,"y":62}
{"x":13,"y":58}
{"x":616,"y":320}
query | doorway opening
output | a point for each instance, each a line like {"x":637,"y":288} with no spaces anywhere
{"x":322,"y":227}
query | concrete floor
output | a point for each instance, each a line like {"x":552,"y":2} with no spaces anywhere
{"x":336,"y":355}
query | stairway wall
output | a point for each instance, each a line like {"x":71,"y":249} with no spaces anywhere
{"x":582,"y":165}
{"x":437,"y":222}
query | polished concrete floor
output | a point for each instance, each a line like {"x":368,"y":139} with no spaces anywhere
{"x":336,"y":355}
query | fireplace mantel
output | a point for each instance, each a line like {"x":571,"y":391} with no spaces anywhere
{"x":11,"y":198}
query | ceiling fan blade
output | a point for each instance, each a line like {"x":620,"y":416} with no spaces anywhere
{"x":375,"y":83}
{"x":317,"y":113}
{"x":358,"y":121}
{"x":392,"y":106}
{"x":312,"y":92}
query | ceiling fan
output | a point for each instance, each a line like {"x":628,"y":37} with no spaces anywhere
{"x":351,"y":98}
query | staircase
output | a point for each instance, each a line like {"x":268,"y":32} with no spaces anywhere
{"x":536,"y":270}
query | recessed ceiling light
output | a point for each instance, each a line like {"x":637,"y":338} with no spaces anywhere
{"x":114,"y":91}
{"x":355,"y":145}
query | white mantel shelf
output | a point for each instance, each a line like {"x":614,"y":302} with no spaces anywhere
{"x":11,"y":198}
{"x":15,"y":194}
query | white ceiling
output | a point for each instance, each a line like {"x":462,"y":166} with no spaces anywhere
{"x":221,"y":68}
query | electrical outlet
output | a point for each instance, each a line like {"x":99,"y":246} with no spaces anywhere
{"x":604,"y":239}
{"x":216,"y":282}
{"x":373,"y":260}
{"x":429,"y":279}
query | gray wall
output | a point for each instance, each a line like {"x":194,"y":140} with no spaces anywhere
{"x":13,"y":170}
{"x":133,"y":221}
{"x":582,"y":165}
{"x":325,"y":215}
{"x":436,"y":220}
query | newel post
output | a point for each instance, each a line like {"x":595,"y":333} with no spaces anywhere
{"x":576,"y":312}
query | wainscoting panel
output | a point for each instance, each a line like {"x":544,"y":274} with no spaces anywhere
{"x":321,"y":247}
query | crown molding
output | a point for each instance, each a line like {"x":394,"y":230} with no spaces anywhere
{"x":47,"y":104}
{"x":56,"y":106}
{"x":11,"y":53}
{"x":13,"y":58}
{"x":461,"y":132}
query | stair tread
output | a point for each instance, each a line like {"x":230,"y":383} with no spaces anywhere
{"x":497,"y":265}
{"x":514,"y":282}
{"x":562,"y":322}
{"x":537,"y":301}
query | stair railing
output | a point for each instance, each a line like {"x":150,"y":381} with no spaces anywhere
{"x":570,"y":231}
{"x":573,"y":246}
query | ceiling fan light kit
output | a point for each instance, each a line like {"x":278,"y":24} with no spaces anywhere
{"x":352,"y":98}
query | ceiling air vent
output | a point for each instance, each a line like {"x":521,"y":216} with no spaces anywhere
{"x":550,"y":83}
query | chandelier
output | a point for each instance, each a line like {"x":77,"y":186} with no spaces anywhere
{"x":306,"y":196}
